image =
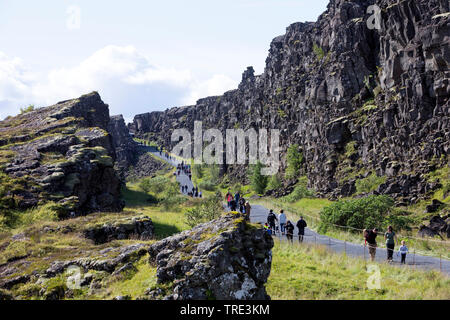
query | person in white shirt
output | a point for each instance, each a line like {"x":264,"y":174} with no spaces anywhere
{"x":282,"y":221}
{"x":403,"y":251}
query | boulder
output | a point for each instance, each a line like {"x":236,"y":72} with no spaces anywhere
{"x":225,"y":259}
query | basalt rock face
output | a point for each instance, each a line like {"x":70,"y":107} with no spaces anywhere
{"x":126,"y":149}
{"x":225,"y":259}
{"x":357,"y":99}
{"x":62,"y":153}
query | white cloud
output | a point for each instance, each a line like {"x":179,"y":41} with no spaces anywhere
{"x":125,"y":79}
{"x":216,"y":85}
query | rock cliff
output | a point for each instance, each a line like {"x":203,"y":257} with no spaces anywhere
{"x":62,"y":153}
{"x":357,"y":100}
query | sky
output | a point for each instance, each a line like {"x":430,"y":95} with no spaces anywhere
{"x":141,"y":56}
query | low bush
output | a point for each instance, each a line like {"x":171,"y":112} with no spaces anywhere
{"x":368,"y":212}
{"x":209,"y":209}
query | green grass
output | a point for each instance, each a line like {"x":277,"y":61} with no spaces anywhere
{"x":301,"y":272}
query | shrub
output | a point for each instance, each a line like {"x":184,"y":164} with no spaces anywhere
{"x":368,"y":212}
{"x":258,"y":181}
{"x":300,"y":191}
{"x":30,"y":108}
{"x":294,"y":161}
{"x":209,"y":209}
{"x":207,"y":185}
{"x":155,"y":185}
{"x":274,"y":182}
{"x":369,"y":184}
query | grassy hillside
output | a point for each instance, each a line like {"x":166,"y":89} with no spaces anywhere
{"x":308,"y":272}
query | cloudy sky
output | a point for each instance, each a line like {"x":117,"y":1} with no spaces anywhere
{"x":140,"y":56}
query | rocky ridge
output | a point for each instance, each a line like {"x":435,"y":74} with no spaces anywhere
{"x":358,"y":101}
{"x":62,"y":153}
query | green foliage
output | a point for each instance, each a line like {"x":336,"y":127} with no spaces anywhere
{"x":207,"y":185}
{"x":294,"y":161}
{"x":30,"y":108}
{"x":318,"y":51}
{"x":274,"y":182}
{"x":198,"y":171}
{"x":368,"y":212}
{"x":209,"y":209}
{"x":369,"y":184}
{"x":155,"y":185}
{"x":258,"y":181}
{"x":300,"y":191}
{"x":214,"y":171}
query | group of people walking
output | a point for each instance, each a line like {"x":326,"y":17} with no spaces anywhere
{"x":390,"y":238}
{"x":284,"y":226}
{"x":238,"y":203}
{"x":183,"y":168}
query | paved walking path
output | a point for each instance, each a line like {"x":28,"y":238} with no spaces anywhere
{"x":259,"y":215}
{"x":182,"y":178}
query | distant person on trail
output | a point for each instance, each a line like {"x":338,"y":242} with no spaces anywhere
{"x":282,"y":220}
{"x":290,"y":231}
{"x":271,"y":220}
{"x":268,"y":230}
{"x":228,"y":198}
{"x":370,"y":236}
{"x":242,"y":205}
{"x":390,"y":238}
{"x":301,"y":225}
{"x":237,"y":196}
{"x":199,"y":194}
{"x":233,"y":205}
{"x":403,"y":250}
{"x":247,"y":211}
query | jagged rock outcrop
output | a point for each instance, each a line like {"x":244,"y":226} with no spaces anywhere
{"x":357,"y":100}
{"x":225,"y":259}
{"x":140,"y":228}
{"x":62,"y":153}
{"x":124,"y":145}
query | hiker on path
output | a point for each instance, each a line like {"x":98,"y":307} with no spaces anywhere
{"x":242,"y":205}
{"x":237,"y":196}
{"x":228,"y":198}
{"x":233,"y":205}
{"x":290,"y":231}
{"x":390,"y":238}
{"x":248,"y":207}
{"x":403,"y":250}
{"x":301,"y":225}
{"x":271,"y":220}
{"x":282,"y":220}
{"x":370,"y":236}
{"x":268,"y":230}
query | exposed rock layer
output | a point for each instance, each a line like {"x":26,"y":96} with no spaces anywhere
{"x":357,"y":100}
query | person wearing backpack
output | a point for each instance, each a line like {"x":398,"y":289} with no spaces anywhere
{"x":390,"y":238}
{"x":271,"y":220}
{"x":282,"y":220}
{"x":290,"y":231}
{"x":228,"y":198}
{"x":301,"y":225}
{"x":370,"y":236}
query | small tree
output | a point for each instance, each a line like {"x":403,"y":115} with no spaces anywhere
{"x":294,"y":161}
{"x":258,"y":181}
{"x":274,"y":182}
